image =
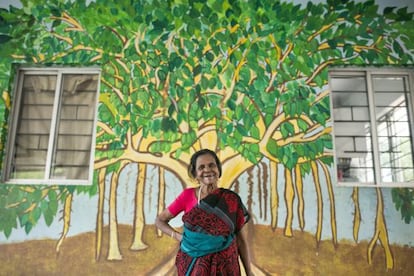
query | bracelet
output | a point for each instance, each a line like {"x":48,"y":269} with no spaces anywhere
{"x":172,"y":234}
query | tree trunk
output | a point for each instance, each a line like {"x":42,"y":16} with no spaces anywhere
{"x":139,"y":220}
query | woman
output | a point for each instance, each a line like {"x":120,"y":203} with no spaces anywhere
{"x":214,"y":236}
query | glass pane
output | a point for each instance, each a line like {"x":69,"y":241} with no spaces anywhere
{"x":351,"y":84}
{"x":360,"y":113}
{"x":352,"y":129}
{"x":32,"y":133}
{"x":393,"y":127}
{"x":75,"y":127}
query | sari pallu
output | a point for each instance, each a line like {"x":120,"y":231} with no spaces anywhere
{"x":209,"y":246}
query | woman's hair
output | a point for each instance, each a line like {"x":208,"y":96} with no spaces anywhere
{"x":193,"y":160}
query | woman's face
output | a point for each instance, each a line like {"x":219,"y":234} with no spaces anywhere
{"x":207,"y":171}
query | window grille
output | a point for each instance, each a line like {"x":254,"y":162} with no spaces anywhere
{"x":52,"y":128}
{"x":372,"y":114}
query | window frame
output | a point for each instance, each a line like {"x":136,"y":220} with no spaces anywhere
{"x":14,"y":118}
{"x":367,"y":73}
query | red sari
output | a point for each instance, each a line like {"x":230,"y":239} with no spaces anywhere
{"x":221,"y":213}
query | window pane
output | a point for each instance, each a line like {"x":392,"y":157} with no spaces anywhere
{"x":75,"y":127}
{"x":393,"y":128}
{"x":52,"y":127}
{"x":352,"y":129}
{"x":33,"y":128}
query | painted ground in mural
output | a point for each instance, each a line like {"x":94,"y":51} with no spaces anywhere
{"x":279,"y":255}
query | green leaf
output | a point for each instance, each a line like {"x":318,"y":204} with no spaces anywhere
{"x":287,"y":129}
{"x":44,"y":205}
{"x":48,"y":216}
{"x":36,"y":214}
{"x":23,"y":219}
{"x":28,"y":227}
{"x":403,"y":199}
{"x":254,"y":132}
{"x":241,"y":129}
{"x":7,"y":231}
{"x":4,"y":38}
{"x":272,"y":147}
{"x":302,"y":125}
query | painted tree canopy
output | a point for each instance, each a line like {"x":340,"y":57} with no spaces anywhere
{"x":246,"y":78}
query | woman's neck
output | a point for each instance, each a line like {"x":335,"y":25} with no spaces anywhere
{"x":206,"y":189}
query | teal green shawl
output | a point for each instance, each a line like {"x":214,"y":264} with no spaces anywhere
{"x":196,"y":244}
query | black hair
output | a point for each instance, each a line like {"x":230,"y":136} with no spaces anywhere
{"x":193,"y":160}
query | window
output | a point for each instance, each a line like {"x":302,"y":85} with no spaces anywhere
{"x":51,"y":135}
{"x":372,"y":114}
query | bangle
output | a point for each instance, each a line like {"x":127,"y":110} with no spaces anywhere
{"x":172,"y":234}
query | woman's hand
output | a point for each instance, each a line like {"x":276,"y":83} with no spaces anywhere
{"x":162,"y":222}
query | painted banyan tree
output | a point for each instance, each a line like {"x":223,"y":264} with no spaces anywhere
{"x":246,"y":78}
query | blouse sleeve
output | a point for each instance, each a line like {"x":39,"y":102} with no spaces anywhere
{"x":184,"y":202}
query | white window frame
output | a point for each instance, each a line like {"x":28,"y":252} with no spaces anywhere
{"x":13,"y":124}
{"x":367,"y":73}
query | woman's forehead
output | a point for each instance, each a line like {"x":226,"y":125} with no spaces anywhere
{"x":205,"y":158}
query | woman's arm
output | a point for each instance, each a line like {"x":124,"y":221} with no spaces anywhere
{"x":244,"y":251}
{"x":162,"y":222}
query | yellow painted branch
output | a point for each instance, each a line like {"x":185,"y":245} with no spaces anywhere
{"x":288,"y":50}
{"x":318,"y":70}
{"x":99,"y":215}
{"x":139,"y":219}
{"x":67,"y":208}
{"x":113,"y":251}
{"x":15,"y":204}
{"x":113,"y":88}
{"x":274,"y":196}
{"x":232,"y":169}
{"x":276,"y":46}
{"x":303,"y":137}
{"x":321,"y":96}
{"x":371,"y":246}
{"x":357,"y":213}
{"x":105,"y":129}
{"x":301,"y":201}
{"x":289,"y":196}
{"x":207,"y":136}
{"x":325,"y":45}
{"x":123,"y":65}
{"x":229,"y":90}
{"x":33,"y":205}
{"x":64,"y":38}
{"x":161,"y":195}
{"x":323,"y":29}
{"x":331,"y":202}
{"x":381,"y":234}
{"x":144,"y":157}
{"x":70,"y":20}
{"x":6,"y":98}
{"x":315,"y":175}
{"x":270,"y":129}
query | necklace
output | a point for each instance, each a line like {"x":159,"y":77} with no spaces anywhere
{"x":199,"y":195}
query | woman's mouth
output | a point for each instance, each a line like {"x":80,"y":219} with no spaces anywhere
{"x":209,"y":176}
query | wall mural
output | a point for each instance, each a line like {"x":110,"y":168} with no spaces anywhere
{"x":246,"y":78}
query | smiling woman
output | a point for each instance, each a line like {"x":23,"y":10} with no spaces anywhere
{"x":214,"y":236}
